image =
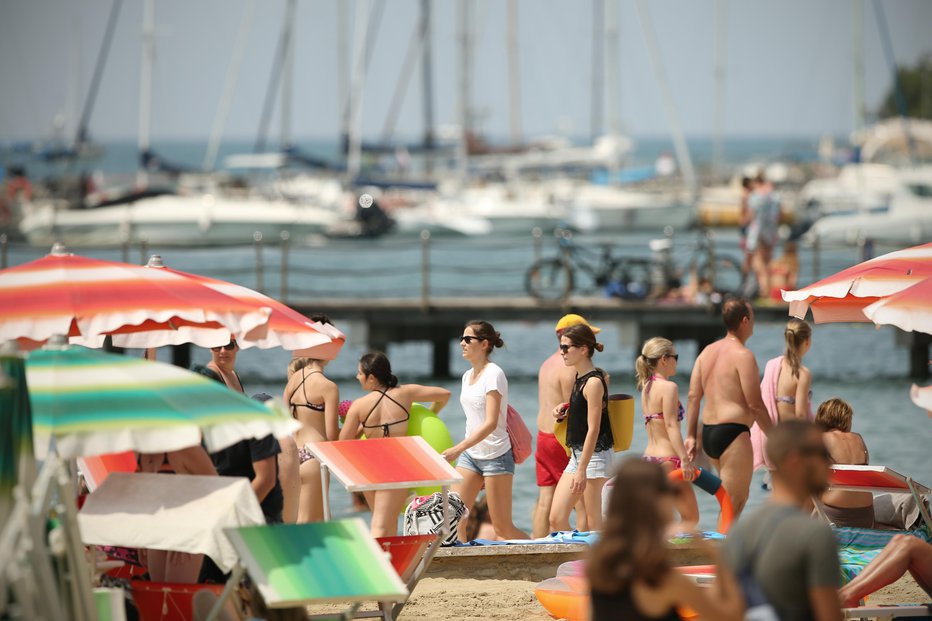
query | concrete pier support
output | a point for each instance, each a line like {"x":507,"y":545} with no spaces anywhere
{"x":919,"y":355}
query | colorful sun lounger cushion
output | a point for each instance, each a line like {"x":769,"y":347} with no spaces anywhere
{"x":384,"y":463}
{"x":96,"y":469}
{"x":295,"y":564}
{"x":858,"y":546}
{"x":875,"y":478}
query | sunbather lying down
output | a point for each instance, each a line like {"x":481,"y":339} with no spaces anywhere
{"x":903,"y":553}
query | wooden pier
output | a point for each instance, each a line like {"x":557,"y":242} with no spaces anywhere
{"x":438,"y":321}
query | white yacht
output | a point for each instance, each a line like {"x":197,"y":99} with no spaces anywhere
{"x":174,"y":220}
{"x":905,"y":220}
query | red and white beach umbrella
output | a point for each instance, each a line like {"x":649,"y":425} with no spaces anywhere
{"x":909,"y":310}
{"x":67,"y":294}
{"x":285,"y":328}
{"x":922,"y":397}
{"x":844,"y":296}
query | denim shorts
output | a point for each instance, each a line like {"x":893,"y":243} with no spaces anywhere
{"x":600,"y":466}
{"x":503,"y":464}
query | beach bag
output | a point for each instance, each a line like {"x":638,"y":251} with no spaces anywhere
{"x":621,"y":418}
{"x":758,"y":605}
{"x":520,"y":436}
{"x":424,"y":516}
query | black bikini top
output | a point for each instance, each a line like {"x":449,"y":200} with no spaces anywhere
{"x":385,"y":426}
{"x":314,"y":407}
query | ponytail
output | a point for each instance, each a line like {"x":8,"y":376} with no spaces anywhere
{"x":377,"y":365}
{"x":797,"y":332}
{"x":654,"y":349}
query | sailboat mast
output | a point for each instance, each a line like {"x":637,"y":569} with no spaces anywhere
{"x":145,"y":87}
{"x":288,"y":75}
{"x":718,"y":147}
{"x":858,"y":64}
{"x":514,"y":75}
{"x":598,"y":68}
{"x":465,"y":12}
{"x":427,"y":82}
{"x":612,"y":70}
{"x":343,"y":72}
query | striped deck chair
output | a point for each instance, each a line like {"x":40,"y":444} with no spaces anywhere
{"x":294,"y":565}
{"x":391,"y":463}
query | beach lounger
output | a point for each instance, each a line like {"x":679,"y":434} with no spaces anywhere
{"x":878,"y":479}
{"x":320,"y":562}
{"x":888,"y":613}
{"x":384,"y":464}
{"x":96,"y":469}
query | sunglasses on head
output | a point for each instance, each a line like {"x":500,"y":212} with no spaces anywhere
{"x":566,"y":348}
{"x":228,"y":347}
{"x":469,"y":339}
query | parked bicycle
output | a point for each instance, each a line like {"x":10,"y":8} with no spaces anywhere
{"x":633,"y":278}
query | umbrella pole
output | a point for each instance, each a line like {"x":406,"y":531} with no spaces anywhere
{"x":80,"y":580}
{"x":50,"y":598}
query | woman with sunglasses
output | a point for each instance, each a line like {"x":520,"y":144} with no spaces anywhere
{"x":485,"y":456}
{"x":588,"y":432}
{"x":663,"y":413}
{"x":631,"y":574}
{"x":384,"y":413}
{"x":220,"y":367}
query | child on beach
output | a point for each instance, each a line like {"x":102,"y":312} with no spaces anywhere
{"x":588,"y":432}
{"x":663,"y":413}
{"x":384,"y":413}
{"x":485,"y":455}
{"x":629,"y":568}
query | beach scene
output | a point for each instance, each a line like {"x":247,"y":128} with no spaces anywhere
{"x":419,"y":310}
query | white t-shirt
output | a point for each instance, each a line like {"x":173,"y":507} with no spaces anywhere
{"x":472,"y":398}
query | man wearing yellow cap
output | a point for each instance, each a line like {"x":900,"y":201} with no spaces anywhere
{"x":554,"y":384}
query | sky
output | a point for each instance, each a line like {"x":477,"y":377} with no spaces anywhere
{"x":788,"y":66}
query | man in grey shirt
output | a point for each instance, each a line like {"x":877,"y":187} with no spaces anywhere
{"x":792,"y":557}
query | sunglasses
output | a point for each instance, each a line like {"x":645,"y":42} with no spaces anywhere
{"x":566,"y":348}
{"x":469,"y":339}
{"x":674,"y":356}
{"x":228,"y":347}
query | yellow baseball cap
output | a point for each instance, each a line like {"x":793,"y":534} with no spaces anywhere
{"x":567,"y":321}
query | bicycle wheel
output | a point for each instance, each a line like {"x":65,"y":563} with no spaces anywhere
{"x":549,"y":279}
{"x":630,"y":279}
{"x":726,"y":277}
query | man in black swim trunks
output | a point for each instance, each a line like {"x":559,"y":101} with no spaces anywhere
{"x":727,"y":376}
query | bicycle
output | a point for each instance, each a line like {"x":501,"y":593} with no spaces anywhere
{"x":634,"y":278}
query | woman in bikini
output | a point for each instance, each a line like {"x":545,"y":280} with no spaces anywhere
{"x":630,"y":569}
{"x":852,"y":509}
{"x":663,"y":413}
{"x":484,"y":456}
{"x":384,"y":413}
{"x":588,"y":432}
{"x":314,"y":401}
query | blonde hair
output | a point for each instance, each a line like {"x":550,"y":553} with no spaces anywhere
{"x":834,"y":414}
{"x":297,"y":364}
{"x":797,"y":332}
{"x":653,"y":350}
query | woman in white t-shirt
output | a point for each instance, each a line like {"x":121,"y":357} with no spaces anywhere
{"x":485,"y":455}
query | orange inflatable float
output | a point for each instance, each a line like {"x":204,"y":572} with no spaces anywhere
{"x":711,"y":484}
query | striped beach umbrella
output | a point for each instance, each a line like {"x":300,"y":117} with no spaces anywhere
{"x":285,"y":328}
{"x":75,"y":296}
{"x":909,"y":310}
{"x":91,"y":402}
{"x":844,"y":296}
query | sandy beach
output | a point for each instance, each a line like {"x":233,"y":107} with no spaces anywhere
{"x":455,"y":599}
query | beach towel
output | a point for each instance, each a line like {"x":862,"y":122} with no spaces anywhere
{"x":859,"y":546}
{"x":768,"y":391}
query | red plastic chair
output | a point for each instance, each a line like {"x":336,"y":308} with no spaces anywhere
{"x":168,"y":601}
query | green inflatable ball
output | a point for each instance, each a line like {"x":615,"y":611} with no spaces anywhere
{"x":424,"y":422}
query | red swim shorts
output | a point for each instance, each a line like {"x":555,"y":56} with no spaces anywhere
{"x":551,"y":459}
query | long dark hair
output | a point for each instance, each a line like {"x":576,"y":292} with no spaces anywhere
{"x":582,"y":336}
{"x":486,"y":331}
{"x":377,"y":365}
{"x":632,"y":545}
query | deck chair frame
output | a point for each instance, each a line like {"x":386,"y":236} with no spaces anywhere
{"x":387,"y":610}
{"x":917,"y":490}
{"x":887,"y":613}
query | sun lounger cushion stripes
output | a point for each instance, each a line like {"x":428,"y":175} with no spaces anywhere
{"x":858,"y":546}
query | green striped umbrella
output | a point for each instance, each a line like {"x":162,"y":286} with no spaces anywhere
{"x":91,"y":402}
{"x":16,"y":461}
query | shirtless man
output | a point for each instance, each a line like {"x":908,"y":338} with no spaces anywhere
{"x":726,"y":374}
{"x":554,"y":385}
